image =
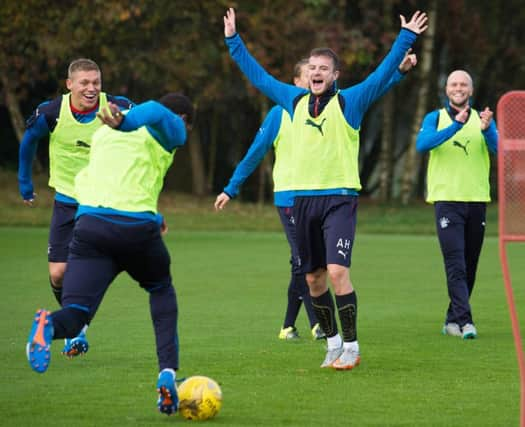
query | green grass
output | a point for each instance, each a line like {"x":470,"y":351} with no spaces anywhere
{"x":231,"y":287}
{"x":187,"y":212}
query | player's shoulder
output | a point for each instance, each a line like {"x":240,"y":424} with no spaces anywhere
{"x":123,"y":102}
{"x":50,"y":109}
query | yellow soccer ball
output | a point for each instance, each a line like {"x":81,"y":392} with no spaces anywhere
{"x":200,"y":398}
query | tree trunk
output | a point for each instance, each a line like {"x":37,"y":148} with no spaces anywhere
{"x":197,"y":162}
{"x":385,"y":155}
{"x":16,"y":116}
{"x":11,"y":100}
{"x":212,"y":154}
{"x":412,"y":161}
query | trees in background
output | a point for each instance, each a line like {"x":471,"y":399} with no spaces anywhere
{"x":148,"y":47}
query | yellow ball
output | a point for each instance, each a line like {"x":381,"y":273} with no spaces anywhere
{"x":200,"y":398}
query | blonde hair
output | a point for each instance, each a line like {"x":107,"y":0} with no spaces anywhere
{"x":81,"y":64}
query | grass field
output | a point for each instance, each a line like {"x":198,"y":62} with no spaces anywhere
{"x":231,"y":288}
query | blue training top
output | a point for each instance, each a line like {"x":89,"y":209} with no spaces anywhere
{"x":429,"y":137}
{"x":167,"y":128}
{"x":354,"y":100}
{"x":39,"y":125}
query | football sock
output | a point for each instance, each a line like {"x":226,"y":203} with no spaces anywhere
{"x":334,"y":342}
{"x":68,"y":322}
{"x":57,"y":292}
{"x":163,"y":309}
{"x":307,"y":301}
{"x":347,"y":308}
{"x":325,"y":311}
{"x":294,"y":303}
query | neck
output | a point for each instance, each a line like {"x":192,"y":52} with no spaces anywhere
{"x":80,"y":109}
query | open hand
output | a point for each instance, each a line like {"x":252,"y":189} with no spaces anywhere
{"x":229,"y":23}
{"x":417,"y":24}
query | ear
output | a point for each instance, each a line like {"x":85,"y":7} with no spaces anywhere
{"x":69,"y":84}
{"x":336,"y":75}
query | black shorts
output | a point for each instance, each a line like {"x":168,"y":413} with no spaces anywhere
{"x":101,"y":249}
{"x":288,"y":222}
{"x":325,"y":230}
{"x":61,"y":231}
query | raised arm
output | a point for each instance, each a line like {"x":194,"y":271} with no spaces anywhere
{"x":281,"y":93}
{"x":361,"y":96}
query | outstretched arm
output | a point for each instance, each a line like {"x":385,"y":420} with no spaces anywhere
{"x":262,"y":143}
{"x":361,"y":96}
{"x":281,"y":93}
{"x":165,"y":126}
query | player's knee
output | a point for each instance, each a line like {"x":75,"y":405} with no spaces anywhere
{"x":339,"y":276}
{"x":56,"y":273}
{"x":316,"y":281}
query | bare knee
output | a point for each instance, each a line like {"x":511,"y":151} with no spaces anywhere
{"x":317,"y":282}
{"x":340,"y":277}
{"x":56,"y":273}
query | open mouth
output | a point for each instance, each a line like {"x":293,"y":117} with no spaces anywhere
{"x":317,"y":84}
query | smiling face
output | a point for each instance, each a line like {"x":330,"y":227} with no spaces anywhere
{"x":322,"y":73}
{"x":85,"y":87}
{"x":459,"y":89}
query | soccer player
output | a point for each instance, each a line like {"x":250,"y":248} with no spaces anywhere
{"x":273,"y":133}
{"x":69,"y":121}
{"x":459,"y":140}
{"x":118,"y":229}
{"x":325,"y":175}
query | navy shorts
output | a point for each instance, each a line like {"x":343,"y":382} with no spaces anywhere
{"x":325,"y":230}
{"x":288,"y":222}
{"x":61,"y":231}
{"x":101,"y":249}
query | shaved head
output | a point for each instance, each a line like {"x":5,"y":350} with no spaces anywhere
{"x":459,"y":88}
{"x":460,"y":74}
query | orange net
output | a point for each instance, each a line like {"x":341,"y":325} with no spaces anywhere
{"x":511,"y":165}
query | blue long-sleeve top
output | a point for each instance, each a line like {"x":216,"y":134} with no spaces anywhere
{"x":39,"y":125}
{"x":429,"y":137}
{"x":357,"y":99}
{"x":354,"y":101}
{"x":167,"y":128}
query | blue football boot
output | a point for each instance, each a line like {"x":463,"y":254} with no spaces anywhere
{"x":168,"y":401}
{"x":77,"y":346}
{"x":38,"y":348}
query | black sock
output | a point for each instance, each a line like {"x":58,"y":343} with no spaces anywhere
{"x":57,"y":292}
{"x":294,"y":303}
{"x":347,"y":308}
{"x":68,"y":322}
{"x":164,"y":312}
{"x":325,"y":311}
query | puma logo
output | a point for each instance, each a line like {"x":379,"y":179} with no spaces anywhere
{"x":464,"y":147}
{"x":319,"y":127}
{"x":82,"y":144}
